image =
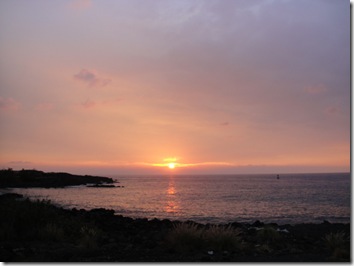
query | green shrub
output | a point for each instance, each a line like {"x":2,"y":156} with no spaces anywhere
{"x":52,"y":231}
{"x":187,"y":237}
{"x":268,"y":235}
{"x":338,"y":244}
{"x":221,"y":238}
{"x":89,"y":236}
{"x":265,"y":248}
{"x":334,"y":240}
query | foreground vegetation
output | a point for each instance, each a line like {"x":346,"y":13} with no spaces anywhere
{"x":37,"y":231}
{"x":214,"y":238}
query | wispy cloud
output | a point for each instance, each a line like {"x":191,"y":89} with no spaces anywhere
{"x":88,"y":104}
{"x":224,"y":124}
{"x":99,"y":104}
{"x":9,"y":104}
{"x":189,"y":164}
{"x":332,"y":110}
{"x":315,"y":89}
{"x":91,"y":79}
{"x":19,"y":162}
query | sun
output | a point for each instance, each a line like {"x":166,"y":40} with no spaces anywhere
{"x":171,"y":165}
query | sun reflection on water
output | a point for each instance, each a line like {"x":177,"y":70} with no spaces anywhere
{"x":171,"y":206}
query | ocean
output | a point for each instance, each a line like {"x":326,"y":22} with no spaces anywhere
{"x":293,"y":198}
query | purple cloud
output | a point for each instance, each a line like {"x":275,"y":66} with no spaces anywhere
{"x":315,"y":89}
{"x":91,"y":79}
{"x":332,"y":110}
{"x":225,"y":124}
{"x":88,"y":104}
{"x":9,"y":104}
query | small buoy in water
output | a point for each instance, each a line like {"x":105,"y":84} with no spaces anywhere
{"x":277,"y":176}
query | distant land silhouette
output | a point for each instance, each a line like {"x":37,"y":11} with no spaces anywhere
{"x":33,"y":178}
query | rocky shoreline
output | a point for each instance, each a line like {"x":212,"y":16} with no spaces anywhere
{"x":41,"y":232}
{"x":34,"y":178}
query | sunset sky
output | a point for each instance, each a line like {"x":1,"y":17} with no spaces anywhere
{"x":205,"y":86}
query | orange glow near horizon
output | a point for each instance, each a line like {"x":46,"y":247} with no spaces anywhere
{"x":177,"y":165}
{"x":172,"y":163}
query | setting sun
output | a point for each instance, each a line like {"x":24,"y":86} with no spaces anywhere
{"x":171,"y":165}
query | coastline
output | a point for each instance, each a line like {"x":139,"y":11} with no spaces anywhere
{"x":33,"y":178}
{"x":41,"y":232}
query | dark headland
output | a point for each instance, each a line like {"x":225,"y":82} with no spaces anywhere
{"x":34,"y":178}
{"x":38,"y":231}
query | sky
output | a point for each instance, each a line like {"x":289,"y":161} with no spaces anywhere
{"x":202,"y":86}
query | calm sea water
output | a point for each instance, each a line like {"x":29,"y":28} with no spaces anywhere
{"x":294,"y":198}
